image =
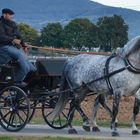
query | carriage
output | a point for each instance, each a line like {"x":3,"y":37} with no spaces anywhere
{"x":18,"y":102}
{"x":81,"y":75}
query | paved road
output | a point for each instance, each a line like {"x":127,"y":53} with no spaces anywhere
{"x":44,"y":130}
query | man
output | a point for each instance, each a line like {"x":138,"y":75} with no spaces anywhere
{"x":10,"y":45}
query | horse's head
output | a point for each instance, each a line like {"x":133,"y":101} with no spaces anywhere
{"x":131,"y":51}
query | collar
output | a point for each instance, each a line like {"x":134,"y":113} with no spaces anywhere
{"x":130,"y":67}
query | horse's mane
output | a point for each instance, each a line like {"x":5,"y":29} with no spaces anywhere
{"x":130,"y":46}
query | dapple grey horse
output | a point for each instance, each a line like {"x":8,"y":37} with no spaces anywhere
{"x":85,"y":73}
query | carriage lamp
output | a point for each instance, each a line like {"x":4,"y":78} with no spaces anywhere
{"x":8,"y":78}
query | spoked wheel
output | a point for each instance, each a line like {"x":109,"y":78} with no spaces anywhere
{"x":47,"y":108}
{"x":14,"y":109}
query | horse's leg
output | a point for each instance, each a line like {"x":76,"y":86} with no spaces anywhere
{"x":102,"y":101}
{"x":116,"y":101}
{"x":86,"y":124}
{"x":71,"y":130}
{"x":135,"y":113}
{"x":95,"y":127}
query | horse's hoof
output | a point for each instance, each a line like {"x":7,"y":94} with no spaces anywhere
{"x":72,"y":131}
{"x":115,"y":134}
{"x":95,"y":129}
{"x":116,"y":124}
{"x":86,"y":128}
{"x":135,"y":132}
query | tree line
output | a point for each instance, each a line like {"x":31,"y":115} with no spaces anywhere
{"x":107,"y":34}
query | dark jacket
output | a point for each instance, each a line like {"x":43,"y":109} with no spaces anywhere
{"x":8,"y":32}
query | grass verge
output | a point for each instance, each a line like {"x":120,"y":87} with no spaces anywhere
{"x":41,"y":138}
{"x":39,"y":120}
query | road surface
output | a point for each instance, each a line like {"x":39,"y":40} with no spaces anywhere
{"x":44,"y":130}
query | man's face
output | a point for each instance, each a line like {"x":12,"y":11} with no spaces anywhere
{"x":8,"y":16}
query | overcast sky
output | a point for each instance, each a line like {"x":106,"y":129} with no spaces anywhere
{"x":132,"y":4}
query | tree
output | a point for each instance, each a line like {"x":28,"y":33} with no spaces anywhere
{"x":29,"y":34}
{"x":51,"y":35}
{"x":113,"y":32}
{"x":79,"y":33}
{"x":92,"y":37}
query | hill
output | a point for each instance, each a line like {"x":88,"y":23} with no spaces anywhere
{"x":38,"y":13}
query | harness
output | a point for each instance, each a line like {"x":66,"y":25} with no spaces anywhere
{"x":106,"y":72}
{"x":128,"y":66}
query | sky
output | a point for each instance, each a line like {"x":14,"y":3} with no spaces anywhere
{"x":131,"y":4}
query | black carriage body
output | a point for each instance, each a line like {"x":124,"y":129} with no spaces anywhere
{"x":51,"y":66}
{"x":17,"y":99}
{"x":50,"y":71}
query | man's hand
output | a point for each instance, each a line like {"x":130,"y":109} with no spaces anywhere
{"x":16,"y":42}
{"x":25,"y":47}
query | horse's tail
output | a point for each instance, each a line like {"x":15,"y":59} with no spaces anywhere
{"x":63,"y":98}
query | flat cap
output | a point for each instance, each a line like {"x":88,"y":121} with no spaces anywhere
{"x":9,"y":11}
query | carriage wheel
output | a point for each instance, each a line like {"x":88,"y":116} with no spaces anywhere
{"x":14,"y":109}
{"x":47,"y":108}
